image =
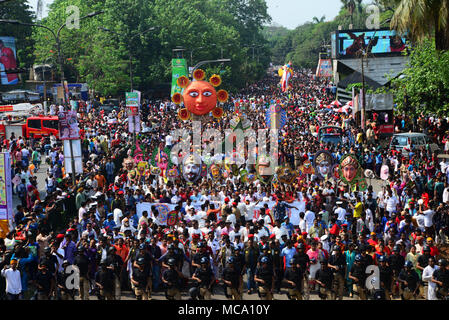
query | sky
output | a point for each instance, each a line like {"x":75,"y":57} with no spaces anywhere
{"x":292,"y":13}
{"x":288,"y":13}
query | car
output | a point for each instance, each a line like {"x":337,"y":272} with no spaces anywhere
{"x":107,"y":108}
{"x":404,"y":142}
{"x":330,"y":134}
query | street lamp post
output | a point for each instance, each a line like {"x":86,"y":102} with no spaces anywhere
{"x":61,"y":66}
{"x":191,"y":54}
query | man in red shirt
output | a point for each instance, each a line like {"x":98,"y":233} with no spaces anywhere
{"x":8,"y":59}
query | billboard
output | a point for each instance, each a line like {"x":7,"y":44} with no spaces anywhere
{"x":348,"y":43}
{"x":179,"y":68}
{"x":8,"y":60}
{"x":324,"y":68}
{"x":76,"y":90}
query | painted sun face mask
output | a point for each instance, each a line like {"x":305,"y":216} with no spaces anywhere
{"x":200,"y":97}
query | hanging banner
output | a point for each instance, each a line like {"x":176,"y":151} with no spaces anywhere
{"x":324,"y":68}
{"x":5,"y":187}
{"x":68,"y":125}
{"x":179,"y":68}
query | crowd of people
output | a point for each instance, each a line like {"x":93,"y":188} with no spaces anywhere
{"x":230,"y":236}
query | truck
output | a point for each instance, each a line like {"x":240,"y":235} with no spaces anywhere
{"x":35,"y":126}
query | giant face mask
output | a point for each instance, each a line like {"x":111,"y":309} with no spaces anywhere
{"x":349,"y":169}
{"x":191,"y":168}
{"x":323,"y":163}
{"x":200,"y":97}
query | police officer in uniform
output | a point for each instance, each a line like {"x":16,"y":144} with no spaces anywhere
{"x":441,"y":278}
{"x":396,"y":263}
{"x":239,"y":263}
{"x":358,"y":274}
{"x":325,"y":278}
{"x":277,"y":265}
{"x":205,"y":278}
{"x":64,"y":292}
{"x":294,"y":276}
{"x":266,"y":252}
{"x":231,"y":276}
{"x":265,"y":278}
{"x":141,"y":279}
{"x":386,"y":276}
{"x":409,"y":280}
{"x":116,"y":262}
{"x":172,"y":280}
{"x":337,"y":264}
{"x":303,"y":261}
{"x":171,"y":254}
{"x":196,"y":259}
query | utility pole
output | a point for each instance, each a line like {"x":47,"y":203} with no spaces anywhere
{"x":363,"y":121}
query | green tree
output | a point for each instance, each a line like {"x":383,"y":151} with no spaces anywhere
{"x":424,"y":85}
{"x":423,"y":18}
{"x":19,"y":10}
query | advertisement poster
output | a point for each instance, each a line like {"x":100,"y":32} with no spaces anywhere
{"x":8,"y":60}
{"x":179,"y":68}
{"x":5,"y":187}
{"x":77,"y":156}
{"x":68,"y":125}
{"x":324,"y":68}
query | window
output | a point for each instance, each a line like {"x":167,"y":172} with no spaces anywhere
{"x":416,"y":141}
{"x":51,"y":124}
{"x":399,"y":141}
{"x":34,"y":124}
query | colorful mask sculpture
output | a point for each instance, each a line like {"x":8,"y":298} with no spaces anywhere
{"x":351,"y":173}
{"x":323,"y":163}
{"x":285,"y":73}
{"x":215,"y":171}
{"x":286,"y":175}
{"x":307,"y":167}
{"x":200,"y":97}
{"x":191,"y":168}
{"x":264,"y":171}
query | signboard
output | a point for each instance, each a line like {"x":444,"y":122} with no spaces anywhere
{"x":68,"y":125}
{"x":76,"y":90}
{"x":77,"y":156}
{"x":5,"y":187}
{"x":324,"y":68}
{"x":383,"y":42}
{"x":132,"y":105}
{"x":8,"y":60}
{"x":179,"y":68}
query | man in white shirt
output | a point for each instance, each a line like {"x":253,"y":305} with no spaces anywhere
{"x":427,"y":276}
{"x":341,"y":212}
{"x":118,"y":214}
{"x":13,"y":281}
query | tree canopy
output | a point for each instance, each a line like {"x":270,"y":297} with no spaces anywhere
{"x":208,"y":28}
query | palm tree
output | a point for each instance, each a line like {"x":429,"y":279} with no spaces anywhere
{"x":422,"y":18}
{"x":316,"y":20}
{"x":352,"y":5}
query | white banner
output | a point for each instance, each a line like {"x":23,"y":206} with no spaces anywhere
{"x":165,"y":208}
